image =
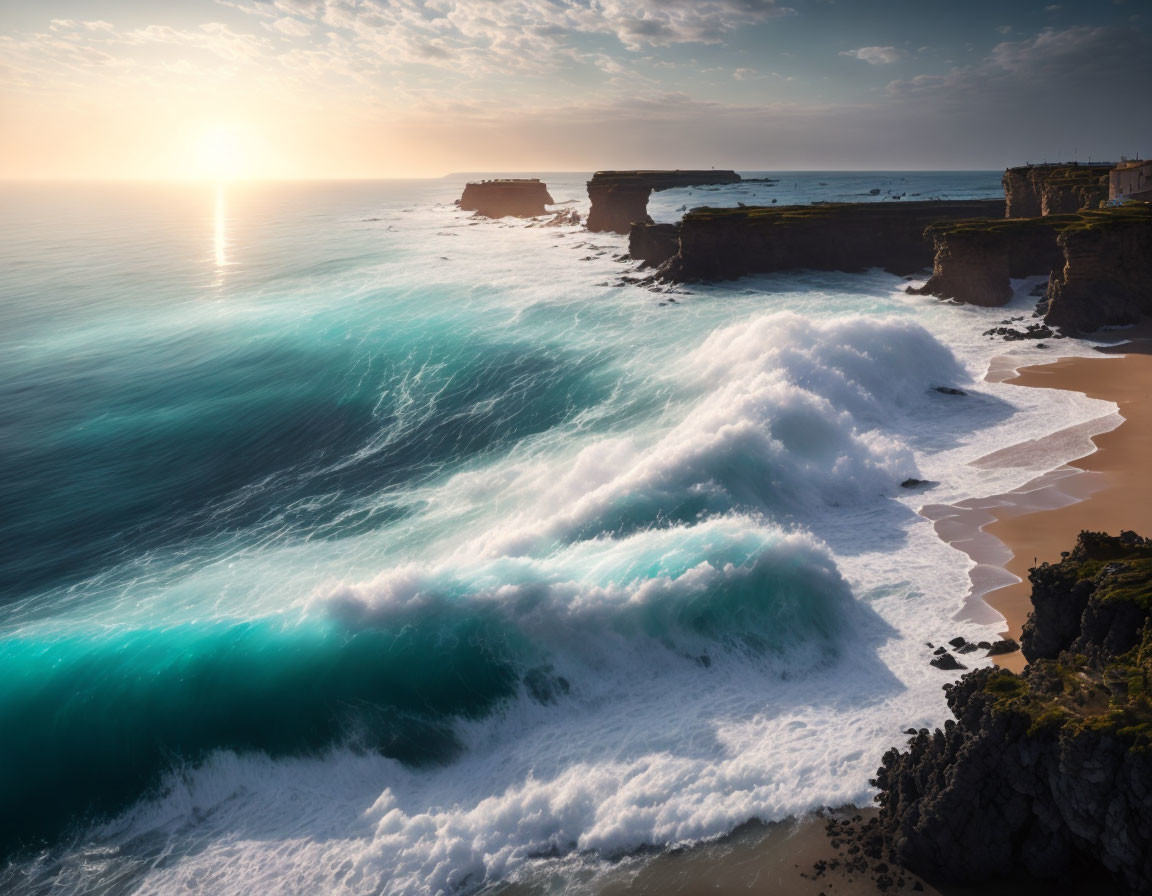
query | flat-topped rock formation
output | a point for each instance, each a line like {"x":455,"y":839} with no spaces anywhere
{"x":620,"y":198}
{"x":653,"y":244}
{"x":1099,"y":262}
{"x":1032,"y":191}
{"x":1048,"y":772}
{"x":1106,"y":277}
{"x":976,"y":259}
{"x":725,"y":243}
{"x":515,"y":197}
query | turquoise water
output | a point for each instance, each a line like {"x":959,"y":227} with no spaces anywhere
{"x":330,"y":493}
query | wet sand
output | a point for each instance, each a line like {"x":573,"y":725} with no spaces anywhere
{"x":1107,"y":490}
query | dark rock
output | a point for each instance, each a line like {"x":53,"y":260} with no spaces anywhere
{"x":947,"y":662}
{"x":620,"y":198}
{"x":1005,"y":645}
{"x":1106,"y":272}
{"x":913,"y":483}
{"x":958,"y":641}
{"x":1045,"y":774}
{"x":726,"y":243}
{"x":1035,"y":190}
{"x":516,"y":197}
{"x":949,"y":390}
{"x":653,"y":244}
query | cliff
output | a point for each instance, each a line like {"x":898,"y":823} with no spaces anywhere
{"x":653,"y":244}
{"x":725,"y":243}
{"x":1032,"y":191}
{"x":620,"y":198}
{"x":1049,"y":772}
{"x":975,"y":260}
{"x":517,"y":197}
{"x":1106,"y":275}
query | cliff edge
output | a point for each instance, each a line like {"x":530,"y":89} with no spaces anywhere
{"x":1048,"y":772}
{"x":1106,"y":275}
{"x":620,"y":198}
{"x":1099,"y":262}
{"x":726,"y":243}
{"x":1032,"y":191}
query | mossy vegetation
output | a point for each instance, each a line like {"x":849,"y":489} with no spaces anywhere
{"x":1102,"y":693}
{"x":1131,"y":214}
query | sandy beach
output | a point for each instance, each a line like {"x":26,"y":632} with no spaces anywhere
{"x":1108,"y":490}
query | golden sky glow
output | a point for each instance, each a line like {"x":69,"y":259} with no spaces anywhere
{"x":276,"y":89}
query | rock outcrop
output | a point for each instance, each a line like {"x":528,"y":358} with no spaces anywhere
{"x":653,"y":244}
{"x":725,"y":243}
{"x":515,"y":197}
{"x":975,"y":260}
{"x":1049,"y":772}
{"x":1032,"y":191}
{"x":1099,"y":262}
{"x":620,"y":198}
{"x":1106,"y":275}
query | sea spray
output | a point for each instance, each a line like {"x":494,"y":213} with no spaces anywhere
{"x":388,"y":666}
{"x":652,"y":563}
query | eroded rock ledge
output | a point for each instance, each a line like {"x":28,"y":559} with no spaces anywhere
{"x":1032,"y":191}
{"x":1048,"y":772}
{"x":620,"y":198}
{"x":725,"y":243}
{"x":1099,"y":261}
{"x":515,"y":197}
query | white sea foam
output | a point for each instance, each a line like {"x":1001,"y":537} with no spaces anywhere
{"x":759,"y":462}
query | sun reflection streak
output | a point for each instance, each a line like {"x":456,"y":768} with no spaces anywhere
{"x":220,"y":233}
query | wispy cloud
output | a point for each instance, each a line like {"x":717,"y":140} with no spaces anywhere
{"x":876,"y":55}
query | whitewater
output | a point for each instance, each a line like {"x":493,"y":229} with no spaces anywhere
{"x":352,"y":544}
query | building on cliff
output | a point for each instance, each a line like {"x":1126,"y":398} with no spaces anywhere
{"x":1130,"y":180}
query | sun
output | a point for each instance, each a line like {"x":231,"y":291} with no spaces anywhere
{"x":223,"y":152}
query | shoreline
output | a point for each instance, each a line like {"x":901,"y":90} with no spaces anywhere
{"x":1108,"y":488}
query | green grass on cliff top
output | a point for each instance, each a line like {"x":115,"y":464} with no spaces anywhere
{"x":1134,"y":214}
{"x":1074,"y":696}
{"x":789,"y":213}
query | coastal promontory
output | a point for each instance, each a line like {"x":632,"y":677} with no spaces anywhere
{"x":726,"y":243}
{"x":620,"y":198}
{"x":1099,"y":261}
{"x":1032,"y":191}
{"x":1049,"y":772}
{"x":506,"y":197}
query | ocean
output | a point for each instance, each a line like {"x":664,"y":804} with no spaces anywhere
{"x":354,"y":545}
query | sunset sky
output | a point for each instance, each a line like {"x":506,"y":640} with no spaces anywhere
{"x":415,"y":88}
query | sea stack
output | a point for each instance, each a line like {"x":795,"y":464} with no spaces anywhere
{"x":518,"y":197}
{"x":620,"y":198}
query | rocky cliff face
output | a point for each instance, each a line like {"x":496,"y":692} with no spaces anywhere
{"x":1106,"y":275}
{"x":975,"y":260}
{"x":653,"y":244}
{"x":1032,"y":191}
{"x":520,"y":198}
{"x":722,"y":244}
{"x":1047,"y":772}
{"x":620,"y":198}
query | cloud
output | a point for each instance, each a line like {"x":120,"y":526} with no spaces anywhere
{"x":291,"y":27}
{"x":1056,"y":64}
{"x":876,"y":55}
